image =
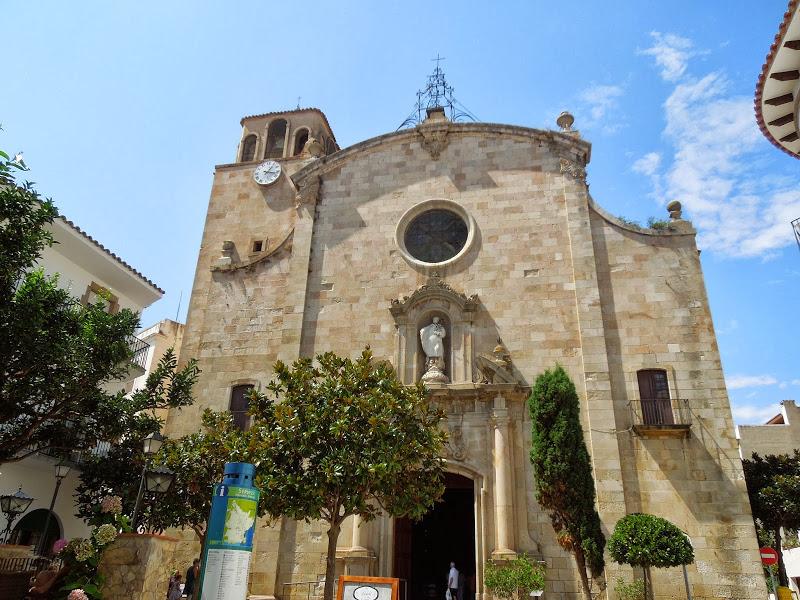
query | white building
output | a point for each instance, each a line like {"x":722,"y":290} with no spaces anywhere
{"x":85,"y":267}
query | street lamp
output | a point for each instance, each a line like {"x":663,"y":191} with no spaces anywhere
{"x":62,"y":469}
{"x":152,"y":444}
{"x":13,"y":505}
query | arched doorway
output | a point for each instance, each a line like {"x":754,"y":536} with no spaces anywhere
{"x":28,"y":531}
{"x":424,"y":549}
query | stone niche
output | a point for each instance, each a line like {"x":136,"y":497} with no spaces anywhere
{"x":455,"y":310}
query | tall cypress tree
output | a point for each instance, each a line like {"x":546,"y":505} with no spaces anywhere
{"x":563,"y":473}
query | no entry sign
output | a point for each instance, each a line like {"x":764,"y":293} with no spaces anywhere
{"x":768,"y":556}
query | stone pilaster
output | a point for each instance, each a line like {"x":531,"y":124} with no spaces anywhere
{"x":503,"y":494}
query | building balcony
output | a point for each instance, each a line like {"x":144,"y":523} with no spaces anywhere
{"x":139,"y":357}
{"x":661,"y":417}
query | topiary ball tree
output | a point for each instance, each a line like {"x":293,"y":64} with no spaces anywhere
{"x":642,"y":540}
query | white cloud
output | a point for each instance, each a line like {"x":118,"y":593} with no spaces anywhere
{"x":795,"y":381}
{"x":731,"y":326}
{"x":671,"y":53}
{"x":736,"y":382}
{"x":750,"y":414}
{"x":716,"y":142}
{"x":599,"y":108}
{"x":648,"y":165}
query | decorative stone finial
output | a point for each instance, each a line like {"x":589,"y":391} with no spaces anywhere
{"x":674,"y":210}
{"x":565,"y":121}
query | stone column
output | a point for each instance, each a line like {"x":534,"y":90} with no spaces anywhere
{"x":503,"y":495}
{"x":358,"y":559}
{"x":356,"y":540}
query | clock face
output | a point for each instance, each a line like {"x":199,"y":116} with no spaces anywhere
{"x":267,"y":172}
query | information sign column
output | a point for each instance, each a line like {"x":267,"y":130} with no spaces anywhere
{"x":229,"y":537}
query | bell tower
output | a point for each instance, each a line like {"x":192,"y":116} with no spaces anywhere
{"x":299,"y":133}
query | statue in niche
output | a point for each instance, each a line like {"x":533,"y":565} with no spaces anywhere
{"x":432,"y":337}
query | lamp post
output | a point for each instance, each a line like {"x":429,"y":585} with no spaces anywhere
{"x":13,"y":505}
{"x":152,"y":444}
{"x":62,"y":469}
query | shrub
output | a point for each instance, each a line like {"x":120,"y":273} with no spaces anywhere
{"x":516,"y":578}
{"x":629,"y":591}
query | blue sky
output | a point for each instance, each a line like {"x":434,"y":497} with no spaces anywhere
{"x":123,"y":109}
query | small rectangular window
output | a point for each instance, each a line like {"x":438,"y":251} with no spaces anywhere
{"x":258,"y":246}
{"x":240,"y":406}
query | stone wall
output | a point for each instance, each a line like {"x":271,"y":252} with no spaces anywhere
{"x":138,"y":566}
{"x":556,"y":278}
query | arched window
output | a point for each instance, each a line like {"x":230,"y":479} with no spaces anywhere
{"x":300,"y":139}
{"x":249,"y":148}
{"x":654,"y":396}
{"x":276,"y":138}
{"x":330,"y":146}
{"x":240,"y":404}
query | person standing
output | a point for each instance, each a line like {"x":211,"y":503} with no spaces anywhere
{"x":452,"y":581}
{"x":192,"y":578}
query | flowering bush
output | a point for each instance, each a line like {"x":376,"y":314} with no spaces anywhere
{"x":111,"y":505}
{"x":82,"y":556}
{"x":105,"y":534}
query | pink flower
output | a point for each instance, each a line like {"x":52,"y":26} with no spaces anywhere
{"x":77,"y":594}
{"x":59,"y":545}
{"x":111,"y":504}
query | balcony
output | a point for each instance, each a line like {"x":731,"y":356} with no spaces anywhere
{"x":139,"y":357}
{"x":661,"y":417}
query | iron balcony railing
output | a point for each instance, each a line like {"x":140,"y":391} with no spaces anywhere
{"x":139,"y":349}
{"x":661,"y":413}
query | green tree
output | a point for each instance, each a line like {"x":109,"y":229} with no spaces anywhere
{"x":646,"y":541}
{"x":773,"y":485}
{"x":346,"y":437}
{"x":563,"y":473}
{"x":117,"y":472}
{"x":56,"y":355}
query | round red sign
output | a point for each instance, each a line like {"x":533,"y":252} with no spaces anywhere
{"x":768,"y":556}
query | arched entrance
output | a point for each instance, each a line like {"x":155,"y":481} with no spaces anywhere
{"x":28,"y":532}
{"x":423,"y":549}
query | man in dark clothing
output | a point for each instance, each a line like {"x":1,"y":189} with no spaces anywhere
{"x":192,"y":578}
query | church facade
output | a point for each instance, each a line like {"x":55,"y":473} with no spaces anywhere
{"x":472,"y":256}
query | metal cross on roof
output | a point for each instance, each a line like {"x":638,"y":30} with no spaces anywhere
{"x":437,"y":93}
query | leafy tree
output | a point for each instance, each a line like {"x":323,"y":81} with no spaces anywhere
{"x":56,"y":355}
{"x":773,"y":484}
{"x":643,"y":540}
{"x":346,"y":437}
{"x":514,"y":579}
{"x":117,"y":472}
{"x":563,"y":473}
{"x":198,"y":461}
